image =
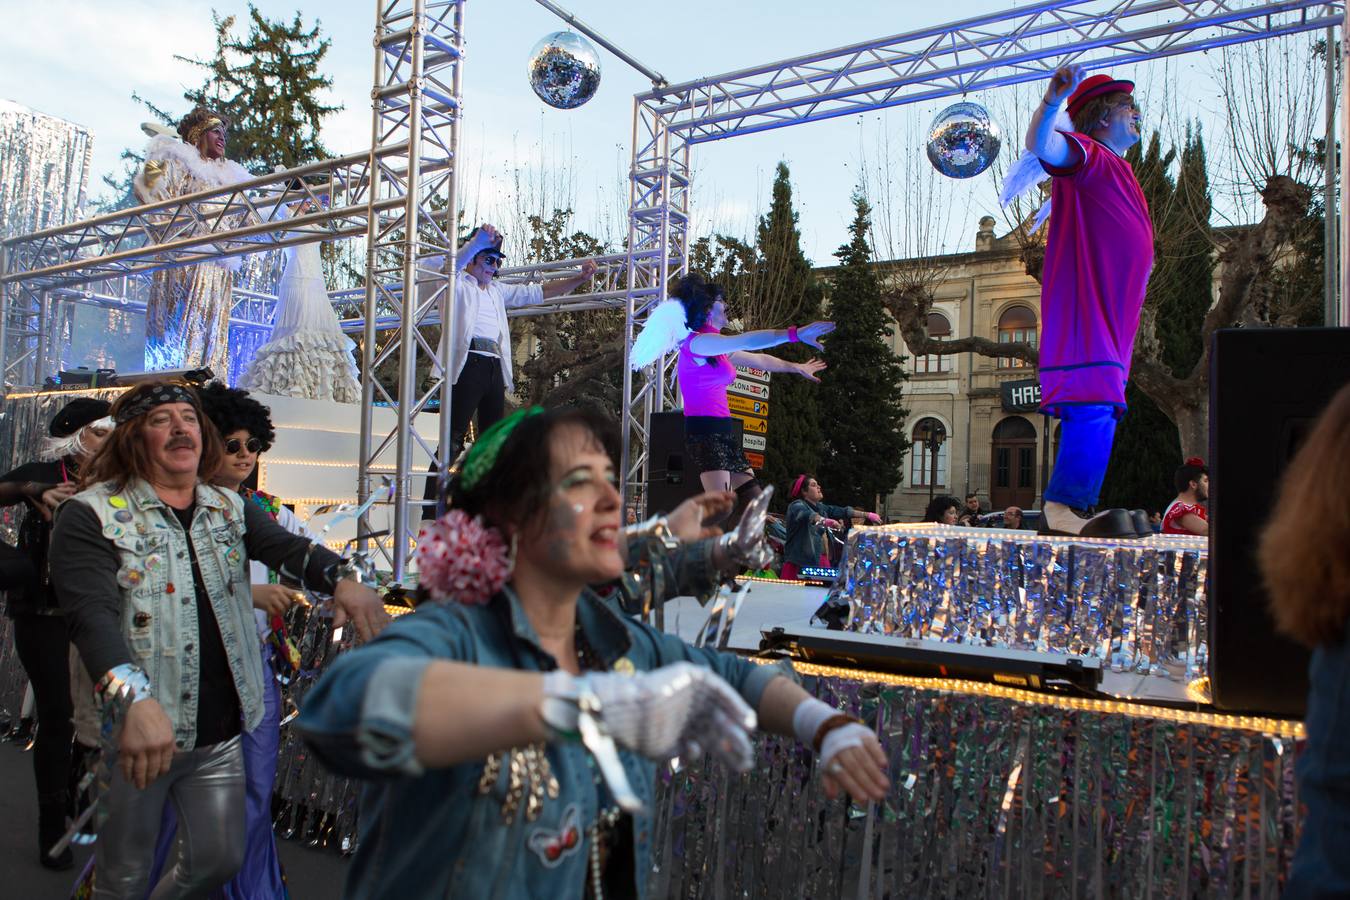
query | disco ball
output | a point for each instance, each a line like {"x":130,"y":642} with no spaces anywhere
{"x":963,"y":140}
{"x":564,"y":70}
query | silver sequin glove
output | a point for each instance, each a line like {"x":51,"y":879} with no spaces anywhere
{"x":747,"y":545}
{"x":676,"y":710}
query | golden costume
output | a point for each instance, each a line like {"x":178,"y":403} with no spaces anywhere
{"x":187,"y":319}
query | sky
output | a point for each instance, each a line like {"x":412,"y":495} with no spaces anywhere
{"x":82,"y":60}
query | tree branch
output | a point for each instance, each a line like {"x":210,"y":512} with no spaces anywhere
{"x":1250,"y":258}
{"x":910,"y":306}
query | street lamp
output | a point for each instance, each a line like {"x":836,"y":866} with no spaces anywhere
{"x":932,"y":434}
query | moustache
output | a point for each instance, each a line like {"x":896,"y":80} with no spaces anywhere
{"x":175,"y":443}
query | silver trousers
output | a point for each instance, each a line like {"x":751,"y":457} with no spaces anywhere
{"x":206,"y":787}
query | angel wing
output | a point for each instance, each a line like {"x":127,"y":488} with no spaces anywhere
{"x":1027,"y":172}
{"x":663,"y":331}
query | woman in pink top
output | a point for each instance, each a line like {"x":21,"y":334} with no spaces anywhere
{"x":692,"y":320}
{"x":1098,"y":256}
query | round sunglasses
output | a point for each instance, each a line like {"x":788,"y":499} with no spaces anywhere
{"x":234,"y":445}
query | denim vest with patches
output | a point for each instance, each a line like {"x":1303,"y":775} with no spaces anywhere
{"x":159,"y":608}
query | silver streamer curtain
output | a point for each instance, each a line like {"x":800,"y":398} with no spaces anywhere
{"x":996,"y":793}
{"x":44,"y":169}
{"x":1133,"y":603}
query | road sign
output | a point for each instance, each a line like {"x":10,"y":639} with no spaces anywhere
{"x":756,"y":460}
{"x":752,"y":424}
{"x":755,"y":442}
{"x":749,"y":389}
{"x":749,"y":406}
{"x":750,"y":373}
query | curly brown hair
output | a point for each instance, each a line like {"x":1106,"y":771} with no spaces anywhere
{"x":123,"y":459}
{"x":1090,"y":116}
{"x":1307,"y":575}
{"x":199,"y":116}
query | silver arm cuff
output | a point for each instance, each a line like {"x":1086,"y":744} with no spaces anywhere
{"x":657,"y":527}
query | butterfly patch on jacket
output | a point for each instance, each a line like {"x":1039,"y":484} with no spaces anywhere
{"x":552,"y":847}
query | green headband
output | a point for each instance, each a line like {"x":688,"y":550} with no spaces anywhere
{"x":482,"y":456}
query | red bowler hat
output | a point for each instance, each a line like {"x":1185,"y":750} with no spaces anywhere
{"x":1097,"y":86}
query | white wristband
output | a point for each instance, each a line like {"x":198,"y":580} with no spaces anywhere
{"x":560,"y":710}
{"x":807,"y":718}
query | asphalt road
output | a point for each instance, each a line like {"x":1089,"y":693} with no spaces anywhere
{"x":310,"y":874}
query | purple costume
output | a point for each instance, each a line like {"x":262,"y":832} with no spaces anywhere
{"x":1097,"y":261}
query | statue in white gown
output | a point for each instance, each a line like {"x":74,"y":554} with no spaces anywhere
{"x":308,"y":355}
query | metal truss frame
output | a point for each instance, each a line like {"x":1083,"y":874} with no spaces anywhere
{"x":416,"y":108}
{"x":401,"y":193}
{"x":1003,"y":48}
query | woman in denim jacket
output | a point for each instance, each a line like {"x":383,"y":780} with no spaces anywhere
{"x":465,"y":715}
{"x":1308,"y":579}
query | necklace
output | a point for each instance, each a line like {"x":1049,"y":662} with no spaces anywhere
{"x":603,"y":832}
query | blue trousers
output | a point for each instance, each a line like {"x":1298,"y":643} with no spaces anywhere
{"x":1085,"y":439}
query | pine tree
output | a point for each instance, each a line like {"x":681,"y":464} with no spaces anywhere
{"x":860,"y":393}
{"x":781,"y":290}
{"x":269,"y":83}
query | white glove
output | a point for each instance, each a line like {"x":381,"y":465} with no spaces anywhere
{"x":676,"y":710}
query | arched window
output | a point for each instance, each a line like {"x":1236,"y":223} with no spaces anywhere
{"x":938,"y":327}
{"x":1016,"y":325}
{"x":929,"y":435}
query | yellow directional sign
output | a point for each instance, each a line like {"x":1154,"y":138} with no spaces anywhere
{"x":748,"y":405}
{"x":752,"y":425}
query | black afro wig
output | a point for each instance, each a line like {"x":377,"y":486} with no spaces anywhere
{"x":232,"y":409}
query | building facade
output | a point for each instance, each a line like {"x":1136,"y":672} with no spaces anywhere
{"x":963,"y":439}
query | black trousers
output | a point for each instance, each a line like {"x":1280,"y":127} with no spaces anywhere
{"x":480,"y":389}
{"x":43,"y":646}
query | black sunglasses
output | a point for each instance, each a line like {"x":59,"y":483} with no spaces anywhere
{"x":234,"y":445}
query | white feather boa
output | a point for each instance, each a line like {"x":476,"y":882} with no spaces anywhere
{"x":664,"y":330}
{"x":1027,"y":173}
{"x":212,"y":173}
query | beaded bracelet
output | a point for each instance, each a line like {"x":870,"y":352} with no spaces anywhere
{"x":838,"y":720}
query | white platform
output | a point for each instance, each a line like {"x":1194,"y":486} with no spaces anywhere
{"x":313,"y":462}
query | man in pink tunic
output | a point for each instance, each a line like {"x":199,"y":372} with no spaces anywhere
{"x":1097,"y":261}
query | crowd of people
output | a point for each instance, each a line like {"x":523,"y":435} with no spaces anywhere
{"x":174,"y":580}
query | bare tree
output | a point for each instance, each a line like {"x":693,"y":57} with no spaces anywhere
{"x":1272,"y":94}
{"x":913,"y":233}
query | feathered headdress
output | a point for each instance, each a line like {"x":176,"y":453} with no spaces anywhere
{"x":663,"y":331}
{"x":1028,"y":172}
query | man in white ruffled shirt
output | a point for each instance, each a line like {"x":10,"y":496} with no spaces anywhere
{"x":476,"y":350}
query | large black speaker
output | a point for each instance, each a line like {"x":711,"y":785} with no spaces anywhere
{"x":1266,"y":388}
{"x":671,"y":478}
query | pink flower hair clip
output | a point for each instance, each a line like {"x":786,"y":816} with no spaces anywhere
{"x":460,"y":557}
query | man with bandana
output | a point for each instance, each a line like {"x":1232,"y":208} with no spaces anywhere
{"x":154,"y":584}
{"x":187,"y":318}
